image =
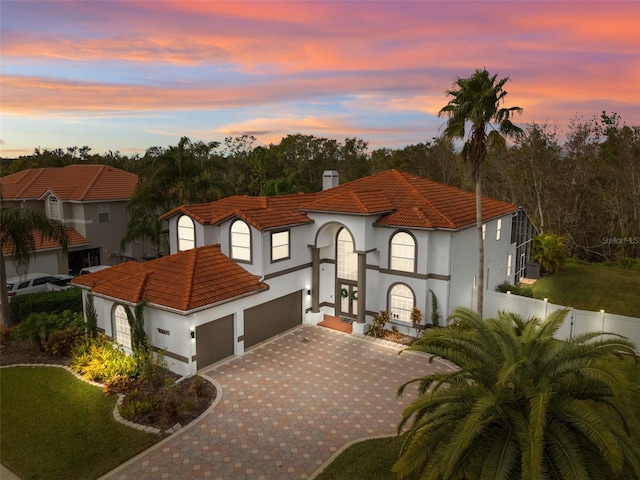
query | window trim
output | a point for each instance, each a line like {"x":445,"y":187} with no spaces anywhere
{"x":415,"y":251}
{"x":342,"y":257}
{"x":122,"y":337}
{"x":287,"y":244}
{"x":52,"y":199}
{"x":498,"y":229}
{"x":179,"y":238}
{"x":389,"y":303}
{"x":232,"y":247}
{"x":99,"y":213}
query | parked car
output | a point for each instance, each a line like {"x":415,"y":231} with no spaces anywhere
{"x":32,"y":283}
{"x":95,"y":268}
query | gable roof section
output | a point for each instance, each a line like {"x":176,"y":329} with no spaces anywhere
{"x":184,"y":281}
{"x":75,"y":240}
{"x":401,"y":199}
{"x":71,"y":183}
{"x":262,"y":213}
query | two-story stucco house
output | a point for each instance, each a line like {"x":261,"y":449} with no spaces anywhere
{"x":90,"y":200}
{"x":244,"y":269}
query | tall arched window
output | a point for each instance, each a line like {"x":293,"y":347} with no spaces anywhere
{"x":401,"y":302}
{"x":122,"y":331}
{"x":403,"y":252}
{"x":347,"y":257}
{"x":54,"y":209}
{"x":186,"y":234}
{"x":240,"y":241}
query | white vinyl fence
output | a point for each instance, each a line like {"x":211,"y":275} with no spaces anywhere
{"x":576,"y":322}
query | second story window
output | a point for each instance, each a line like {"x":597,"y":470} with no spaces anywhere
{"x":499,"y":229}
{"x":240,"y":241}
{"x":280,"y":246}
{"x":54,"y":208}
{"x":403,"y":252}
{"x":186,"y":234}
{"x":103,"y":213}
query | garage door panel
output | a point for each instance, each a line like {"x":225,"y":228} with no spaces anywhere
{"x":214,"y":341}
{"x":271,"y":318}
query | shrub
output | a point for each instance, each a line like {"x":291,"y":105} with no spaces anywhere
{"x":435,"y":314}
{"x":37,"y":328}
{"x":549,"y":251}
{"x":134,"y":404}
{"x":49,"y":302}
{"x":196,"y":386}
{"x":522,"y":290}
{"x":377,"y":327}
{"x":151,"y":366}
{"x":100,"y":360}
{"x":62,"y":342}
{"x":116,"y":384}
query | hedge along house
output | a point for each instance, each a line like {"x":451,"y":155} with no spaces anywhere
{"x":381,"y":242}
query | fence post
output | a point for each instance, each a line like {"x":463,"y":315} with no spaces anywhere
{"x":546,"y":308}
{"x":602,"y":319}
{"x":572,"y":318}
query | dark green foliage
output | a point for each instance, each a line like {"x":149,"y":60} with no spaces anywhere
{"x":50,"y":302}
{"x":522,"y":290}
{"x":522,"y":404}
{"x":549,"y":251}
{"x":39,"y":327}
{"x":92,"y":317}
{"x":435,"y":313}
{"x":62,"y":342}
{"x":135,"y":317}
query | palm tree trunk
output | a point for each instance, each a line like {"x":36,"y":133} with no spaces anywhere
{"x":5,"y":312}
{"x":480,"y":282}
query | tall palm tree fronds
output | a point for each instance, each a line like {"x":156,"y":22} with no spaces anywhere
{"x":476,"y":103}
{"x":522,"y":404}
{"x":20,"y":231}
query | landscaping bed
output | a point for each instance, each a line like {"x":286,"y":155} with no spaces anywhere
{"x":172,"y":402}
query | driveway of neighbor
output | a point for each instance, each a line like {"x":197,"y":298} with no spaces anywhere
{"x":286,"y":407}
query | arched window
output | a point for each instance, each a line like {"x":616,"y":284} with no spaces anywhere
{"x":401,"y":302}
{"x":347,"y":257}
{"x":122,"y":331}
{"x":186,"y":234}
{"x":54,"y":209}
{"x":403,"y":252}
{"x":240,"y":241}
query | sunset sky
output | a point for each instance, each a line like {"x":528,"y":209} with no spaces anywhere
{"x":124,"y":75}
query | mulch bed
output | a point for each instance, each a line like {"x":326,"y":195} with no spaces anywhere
{"x":15,"y":353}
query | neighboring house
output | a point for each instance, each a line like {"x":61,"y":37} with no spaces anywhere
{"x":258,"y":266}
{"x":90,"y":200}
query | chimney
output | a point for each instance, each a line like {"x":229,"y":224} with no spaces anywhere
{"x":330,"y":179}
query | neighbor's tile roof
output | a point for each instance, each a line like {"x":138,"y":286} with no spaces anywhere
{"x":183,"y":281}
{"x":75,"y":240}
{"x":401,"y":199}
{"x":70,"y":183}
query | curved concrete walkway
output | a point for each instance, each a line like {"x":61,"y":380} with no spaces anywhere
{"x":286,"y":407}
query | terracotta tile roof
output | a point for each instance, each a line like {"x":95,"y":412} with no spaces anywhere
{"x":75,"y":240}
{"x":417,"y":202}
{"x":70,"y":183}
{"x":401,"y":199}
{"x":184,"y":281}
{"x":261,"y":212}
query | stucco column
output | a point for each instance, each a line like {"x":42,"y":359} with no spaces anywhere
{"x":362,"y":287}
{"x":315,"y":280}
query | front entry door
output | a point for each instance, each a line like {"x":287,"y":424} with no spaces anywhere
{"x":348,"y":300}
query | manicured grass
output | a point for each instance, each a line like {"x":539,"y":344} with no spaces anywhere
{"x":593,"y":287}
{"x":55,"y":426}
{"x":370,"y":459}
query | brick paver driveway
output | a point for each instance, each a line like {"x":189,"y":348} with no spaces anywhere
{"x":286,"y":407}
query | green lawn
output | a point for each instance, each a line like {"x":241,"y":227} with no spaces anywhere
{"x":593,"y":287}
{"x":370,"y":459}
{"x":55,"y":426}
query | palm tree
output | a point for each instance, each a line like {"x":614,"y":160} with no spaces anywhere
{"x":521,"y":404}
{"x":476,"y":102}
{"x":19,"y":228}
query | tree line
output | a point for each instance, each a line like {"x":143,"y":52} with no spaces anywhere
{"x":584,"y":187}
